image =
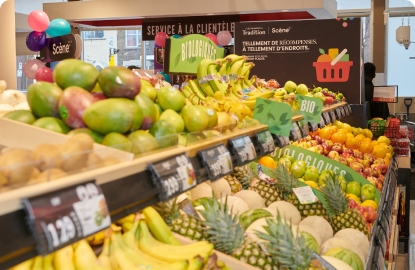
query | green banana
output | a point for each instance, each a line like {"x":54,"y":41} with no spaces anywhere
{"x":202,"y":69}
{"x":235,"y":69}
{"x":170,"y":253}
{"x":194,"y":87}
{"x":158,"y":227}
{"x":187,"y":92}
{"x":216,"y":83}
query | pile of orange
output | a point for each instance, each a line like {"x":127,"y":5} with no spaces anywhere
{"x":267,"y":161}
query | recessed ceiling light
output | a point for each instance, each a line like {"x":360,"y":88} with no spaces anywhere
{"x":210,"y":14}
{"x":285,"y":10}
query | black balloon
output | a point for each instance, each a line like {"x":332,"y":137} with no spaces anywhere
{"x":35,"y":41}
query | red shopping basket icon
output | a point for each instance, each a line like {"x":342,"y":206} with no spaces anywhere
{"x":338,"y":73}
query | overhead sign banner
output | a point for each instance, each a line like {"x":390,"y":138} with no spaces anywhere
{"x":183,"y":55}
{"x":387,"y":94}
{"x":189,"y":25}
{"x":58,"y":48}
{"x":323,"y":53}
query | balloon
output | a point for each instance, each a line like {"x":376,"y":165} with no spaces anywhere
{"x":38,"y":20}
{"x":35,"y":41}
{"x":212,"y":37}
{"x":31,"y":66}
{"x":53,"y":64}
{"x":176,"y":36}
{"x":44,"y":74}
{"x":161,"y":39}
{"x":166,"y":77}
{"x":224,"y":38}
{"x":78,"y":48}
{"x":58,"y":27}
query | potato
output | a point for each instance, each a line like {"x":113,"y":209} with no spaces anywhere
{"x":94,"y":161}
{"x":17,"y":165}
{"x":49,"y":175}
{"x":46,"y":156}
{"x":73,"y":156}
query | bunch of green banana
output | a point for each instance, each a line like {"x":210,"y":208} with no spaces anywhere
{"x":209,"y":78}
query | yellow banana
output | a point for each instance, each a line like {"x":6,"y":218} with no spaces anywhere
{"x":47,"y":262}
{"x":234,"y":57}
{"x":104,"y":257}
{"x":37,"y":263}
{"x":190,"y":95}
{"x":171,"y":253}
{"x":26,"y":265}
{"x":216,"y":82}
{"x":63,"y":259}
{"x":195,"y":264}
{"x":119,"y":259}
{"x":85,"y":258}
{"x":194,"y":87}
{"x":158,"y":227}
{"x":235,"y":69}
{"x":202,"y":70}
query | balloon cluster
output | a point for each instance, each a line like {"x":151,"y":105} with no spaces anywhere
{"x":36,"y":40}
{"x":223,"y":38}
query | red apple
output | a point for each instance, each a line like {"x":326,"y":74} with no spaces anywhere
{"x":367,"y":171}
{"x":307,"y":138}
{"x":326,"y":149}
{"x":379,"y":161}
{"x":319,"y":139}
{"x":369,"y":214}
{"x":330,"y":143}
{"x":341,"y":159}
{"x":356,"y":166}
{"x":357,"y":154}
{"x":337,"y":147}
{"x":347,"y":150}
{"x":384,"y":168}
{"x":350,"y":160}
{"x":369,"y":156}
{"x":333,"y":154}
{"x":381,"y":178}
{"x":319,"y":149}
{"x":377,"y":167}
{"x":366,"y":163}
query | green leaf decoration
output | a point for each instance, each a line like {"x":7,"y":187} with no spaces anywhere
{"x":283,"y":117}
{"x":284,"y":122}
{"x":321,"y":51}
{"x":316,"y":110}
{"x":274,"y":129}
{"x":259,"y":108}
{"x":192,"y":59}
{"x":270,"y":116}
{"x":177,"y":59}
{"x":267,"y":101}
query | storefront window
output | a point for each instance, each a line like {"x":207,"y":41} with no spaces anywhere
{"x":93,"y":34}
{"x":132,"y":38}
{"x":400,"y":4}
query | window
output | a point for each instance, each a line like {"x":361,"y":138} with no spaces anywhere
{"x":93,"y":34}
{"x":132,"y":38}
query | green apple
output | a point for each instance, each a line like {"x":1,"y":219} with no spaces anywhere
{"x":297,"y":171}
{"x":342,"y":181}
{"x":324,"y":175}
{"x":289,"y":157}
{"x":368,"y":192}
{"x":174,"y":119}
{"x":353,"y":188}
{"x":285,"y":162}
{"x":311,"y":174}
{"x":300,"y":163}
{"x":302,"y":89}
{"x":170,"y":97}
{"x":290,"y":86}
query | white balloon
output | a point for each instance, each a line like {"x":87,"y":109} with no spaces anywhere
{"x":78,"y":47}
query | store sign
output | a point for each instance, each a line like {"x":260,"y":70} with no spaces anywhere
{"x":189,"y":25}
{"x":385,"y":93}
{"x":66,"y":216}
{"x":310,"y":108}
{"x":183,"y":55}
{"x":217,"y":161}
{"x":265,"y":142}
{"x":58,"y":48}
{"x":276,"y":115}
{"x":323,"y":53}
{"x":243,"y":148}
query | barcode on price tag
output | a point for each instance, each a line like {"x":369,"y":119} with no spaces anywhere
{"x":63,"y":217}
{"x":243,"y":149}
{"x":173,"y":176}
{"x":265,"y":141}
{"x":217,"y":161}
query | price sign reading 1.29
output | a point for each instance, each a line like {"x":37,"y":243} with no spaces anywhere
{"x":63,"y":217}
{"x":310,"y":108}
{"x":173,"y":176}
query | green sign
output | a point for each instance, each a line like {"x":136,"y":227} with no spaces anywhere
{"x":277,"y":115}
{"x":183,"y":55}
{"x":310,"y":108}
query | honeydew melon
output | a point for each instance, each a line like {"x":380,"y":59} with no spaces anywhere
{"x":340,"y":242}
{"x":202,"y":190}
{"x":357,"y":237}
{"x":320,"y":226}
{"x":249,"y":217}
{"x":252,"y":199}
{"x":287,"y":211}
{"x":235,"y":204}
{"x":220,"y":187}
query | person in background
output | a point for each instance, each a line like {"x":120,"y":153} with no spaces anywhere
{"x":376,"y":109}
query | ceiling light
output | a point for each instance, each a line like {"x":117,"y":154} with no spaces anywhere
{"x":210,"y":14}
{"x":285,"y":10}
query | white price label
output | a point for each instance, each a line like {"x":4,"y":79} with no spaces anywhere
{"x":305,"y":195}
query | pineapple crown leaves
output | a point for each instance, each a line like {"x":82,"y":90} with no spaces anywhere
{"x":285,"y":180}
{"x":285,"y":248}
{"x":169,"y":210}
{"x":223,"y":227}
{"x":334,"y":195}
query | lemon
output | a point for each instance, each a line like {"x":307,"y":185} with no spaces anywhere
{"x":312,"y":184}
{"x":370,"y":203}
{"x":384,"y":139}
{"x":353,"y":197}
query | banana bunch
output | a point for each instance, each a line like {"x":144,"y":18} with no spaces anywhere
{"x":194,"y":93}
{"x":148,"y":244}
{"x":282,"y":96}
{"x":209,"y":78}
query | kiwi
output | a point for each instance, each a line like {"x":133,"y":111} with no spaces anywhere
{"x":3,"y":180}
{"x":46,"y":155}
{"x":49,"y":175}
{"x":94,"y":161}
{"x":17,"y":164}
{"x":73,"y":156}
{"x":85,"y":139}
{"x":35,"y":173}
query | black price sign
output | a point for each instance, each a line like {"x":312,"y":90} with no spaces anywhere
{"x":332,"y":116}
{"x":338,"y":113}
{"x":349,"y":109}
{"x":295,"y":132}
{"x":313,"y":127}
{"x":63,"y":217}
{"x":265,"y":141}
{"x":243,"y":149}
{"x":217,"y":161}
{"x":326,"y":117}
{"x":282,"y":141}
{"x":173,"y":176}
{"x":322,"y":122}
{"x":342,"y":111}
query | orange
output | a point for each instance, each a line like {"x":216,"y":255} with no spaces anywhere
{"x":389,"y":148}
{"x":388,"y":155}
{"x":352,"y":143}
{"x":365,"y":147}
{"x":375,"y":143}
{"x":324,"y":58}
{"x":350,"y":135}
{"x":334,"y":128}
{"x":326,"y":133}
{"x":379,"y":151}
{"x":339,"y":137}
{"x":348,"y":127}
{"x":267,"y":162}
{"x":359,"y":137}
{"x":370,"y":203}
{"x":367,"y":140}
{"x":343,"y":130}
{"x":387,"y":161}
{"x":367,"y":133}
{"x":384,"y":139}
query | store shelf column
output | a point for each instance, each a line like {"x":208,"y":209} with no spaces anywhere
{"x":404,"y":178}
{"x":8,"y":44}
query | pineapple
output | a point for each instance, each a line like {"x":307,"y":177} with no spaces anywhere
{"x":234,"y":183}
{"x":227,"y":235}
{"x":342,"y":215}
{"x":286,"y":182}
{"x":267,"y":191}
{"x":243,"y":174}
{"x":180,"y":222}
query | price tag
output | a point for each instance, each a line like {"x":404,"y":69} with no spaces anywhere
{"x":332,"y":116}
{"x":243,"y":148}
{"x":66,"y":216}
{"x":303,"y":125}
{"x":322,"y":122}
{"x":265,"y":141}
{"x":342,"y":111}
{"x":349,"y":109}
{"x":173,"y":176}
{"x":313,"y":127}
{"x":217,"y":161}
{"x":326,"y":117}
{"x":282,"y":141}
{"x":338,"y":113}
{"x":305,"y":195}
{"x":295,"y":132}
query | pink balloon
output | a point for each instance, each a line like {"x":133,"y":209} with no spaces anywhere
{"x":31,"y":66}
{"x":212,"y":37}
{"x":38,"y":20}
{"x":160,"y":39}
{"x":224,"y":38}
{"x":44,"y":74}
